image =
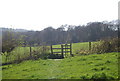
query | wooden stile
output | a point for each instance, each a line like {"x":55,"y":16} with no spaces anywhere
{"x":65,"y":48}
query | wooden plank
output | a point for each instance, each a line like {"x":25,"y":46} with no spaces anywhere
{"x":30,"y":52}
{"x":56,"y":52}
{"x":66,"y":51}
{"x":71,"y":50}
{"x":51,"y":50}
{"x":66,"y":48}
{"x":89,"y":45}
{"x":62,"y":50}
{"x":66,"y":45}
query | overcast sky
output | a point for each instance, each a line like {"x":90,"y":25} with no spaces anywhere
{"x":39,"y":14}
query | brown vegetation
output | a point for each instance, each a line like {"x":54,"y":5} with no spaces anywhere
{"x":107,"y":45}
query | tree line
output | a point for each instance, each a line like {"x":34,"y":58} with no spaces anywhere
{"x":64,"y":34}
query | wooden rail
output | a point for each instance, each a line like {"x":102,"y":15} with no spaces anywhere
{"x":65,"y":48}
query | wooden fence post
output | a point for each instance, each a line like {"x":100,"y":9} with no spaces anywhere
{"x":51,"y":49}
{"x":71,"y":49}
{"x":89,"y":45}
{"x":30,"y":52}
{"x":62,"y":51}
{"x":65,"y":50}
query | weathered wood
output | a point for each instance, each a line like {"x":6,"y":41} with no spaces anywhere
{"x":30,"y":51}
{"x":51,"y":49}
{"x":89,"y":45}
{"x":71,"y":49}
{"x":56,"y":52}
{"x":60,"y":48}
{"x":62,"y":51}
{"x":66,"y":45}
{"x":65,"y":49}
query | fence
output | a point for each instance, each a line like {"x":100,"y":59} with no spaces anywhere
{"x":25,"y":53}
{"x":28,"y":52}
{"x":63,"y":50}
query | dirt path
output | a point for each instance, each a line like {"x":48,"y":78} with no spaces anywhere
{"x":53,"y":69}
{"x":57,"y":59}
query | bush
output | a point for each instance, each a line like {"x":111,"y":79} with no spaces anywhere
{"x":107,"y":45}
{"x":83,"y":52}
{"x":16,"y":56}
{"x":41,"y":52}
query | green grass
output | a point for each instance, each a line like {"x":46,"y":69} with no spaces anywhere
{"x":95,"y":66}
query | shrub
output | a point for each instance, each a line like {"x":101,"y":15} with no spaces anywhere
{"x":16,"y":57}
{"x":42,"y":52}
{"x":107,"y":45}
{"x":83,"y":52}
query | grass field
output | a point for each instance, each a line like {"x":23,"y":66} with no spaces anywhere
{"x":95,"y":66}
